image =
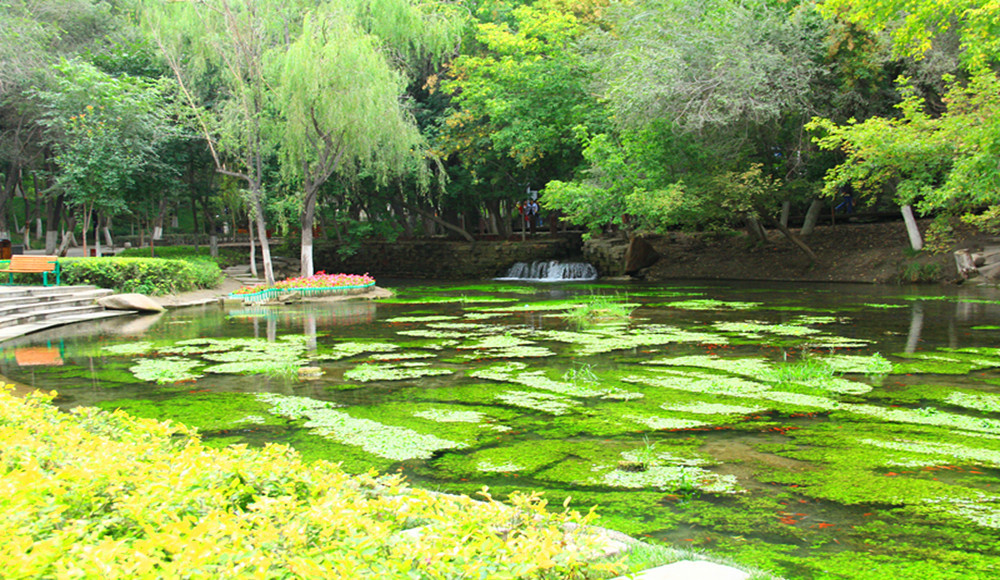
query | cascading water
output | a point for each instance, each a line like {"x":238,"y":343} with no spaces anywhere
{"x":551,"y":271}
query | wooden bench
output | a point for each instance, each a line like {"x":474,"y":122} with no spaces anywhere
{"x":21,"y":264}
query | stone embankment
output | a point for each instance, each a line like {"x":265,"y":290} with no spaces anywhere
{"x":443,"y":259}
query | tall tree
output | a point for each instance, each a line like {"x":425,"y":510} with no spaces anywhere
{"x":340,"y":93}
{"x":230,"y":39}
{"x":107,"y":133}
{"x":520,"y":95}
{"x":939,"y":154}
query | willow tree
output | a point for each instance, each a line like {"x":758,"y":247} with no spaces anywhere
{"x":228,"y":42}
{"x":340,"y":91}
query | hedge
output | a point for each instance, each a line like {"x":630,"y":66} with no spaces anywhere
{"x":149,"y":276}
{"x":92,"y":494}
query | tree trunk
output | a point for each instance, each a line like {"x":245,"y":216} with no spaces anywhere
{"x":265,"y":248}
{"x":106,"y":229}
{"x":786,"y":208}
{"x":53,"y":212}
{"x":427,"y":215}
{"x":795,"y":240}
{"x":308,"y":218}
{"x":10,"y":185}
{"x":812,"y":216}
{"x":253,"y":247}
{"x":67,"y":237}
{"x":161,"y":215}
{"x":97,"y":235}
{"x":756,"y":230}
{"x":86,"y":224}
{"x":916,"y":242}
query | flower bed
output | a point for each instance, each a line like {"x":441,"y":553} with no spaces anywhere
{"x":319,"y":284}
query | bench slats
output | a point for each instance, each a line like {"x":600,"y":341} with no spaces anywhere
{"x":21,"y":264}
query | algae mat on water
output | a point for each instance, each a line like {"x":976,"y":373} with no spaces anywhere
{"x":778,"y":428}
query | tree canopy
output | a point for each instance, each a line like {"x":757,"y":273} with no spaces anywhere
{"x":388,"y":117}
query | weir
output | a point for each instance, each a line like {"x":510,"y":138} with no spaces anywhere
{"x":551,"y":271}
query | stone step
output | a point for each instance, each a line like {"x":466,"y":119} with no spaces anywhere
{"x":43,"y":292}
{"x":17,"y":318}
{"x":29,"y":304}
{"x":7,"y":333}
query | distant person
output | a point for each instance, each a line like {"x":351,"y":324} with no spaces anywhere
{"x":846,"y":204}
{"x":532,"y":214}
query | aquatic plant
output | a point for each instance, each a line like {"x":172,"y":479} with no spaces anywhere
{"x":706,"y":408}
{"x":389,"y":441}
{"x":712,"y":304}
{"x":418,"y":319}
{"x":515,"y":372}
{"x":942,"y":452}
{"x":546,"y":402}
{"x":369,"y":372}
{"x":667,"y":423}
{"x":165,"y":370}
{"x":450,"y":416}
{"x":978,"y":401}
{"x":600,"y":308}
{"x":348,"y":349}
{"x":756,"y":329}
{"x":668,"y":473}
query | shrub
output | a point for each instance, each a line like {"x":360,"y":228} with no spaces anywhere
{"x":91,"y":494}
{"x":143,"y":275}
{"x":917,"y":273}
{"x":227,"y":256}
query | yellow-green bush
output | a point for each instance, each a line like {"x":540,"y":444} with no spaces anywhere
{"x":91,"y":494}
{"x":143,"y":275}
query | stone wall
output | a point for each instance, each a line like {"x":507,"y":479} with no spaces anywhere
{"x":606,"y":254}
{"x":444,"y":259}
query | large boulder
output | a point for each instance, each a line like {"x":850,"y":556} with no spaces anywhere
{"x":640,"y":254}
{"x":138,"y":302}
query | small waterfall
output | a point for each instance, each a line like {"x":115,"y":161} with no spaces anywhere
{"x":551,"y":271}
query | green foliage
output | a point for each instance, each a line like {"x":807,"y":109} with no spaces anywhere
{"x":151,"y":276}
{"x":919,"y":273}
{"x":227,"y":256}
{"x":521,"y":92}
{"x":92,"y":493}
{"x":108,"y":133}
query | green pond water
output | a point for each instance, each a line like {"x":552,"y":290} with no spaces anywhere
{"x":815,"y":431}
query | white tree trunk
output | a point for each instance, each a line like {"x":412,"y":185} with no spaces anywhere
{"x":308,"y":219}
{"x":51,"y":241}
{"x":253,"y":248}
{"x":786,"y":209}
{"x":39,"y":229}
{"x":916,"y":242}
{"x":812,"y":215}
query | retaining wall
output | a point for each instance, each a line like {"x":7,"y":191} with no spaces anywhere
{"x":444,"y":259}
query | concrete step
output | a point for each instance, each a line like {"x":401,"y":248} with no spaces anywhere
{"x":28,"y":317}
{"x":7,"y":333}
{"x":43,"y":292}
{"x":29,"y":304}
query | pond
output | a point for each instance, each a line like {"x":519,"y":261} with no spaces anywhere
{"x":817,"y":431}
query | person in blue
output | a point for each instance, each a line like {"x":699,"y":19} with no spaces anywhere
{"x":846,"y":204}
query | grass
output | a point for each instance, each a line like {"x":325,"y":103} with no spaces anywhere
{"x":599,"y":309}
